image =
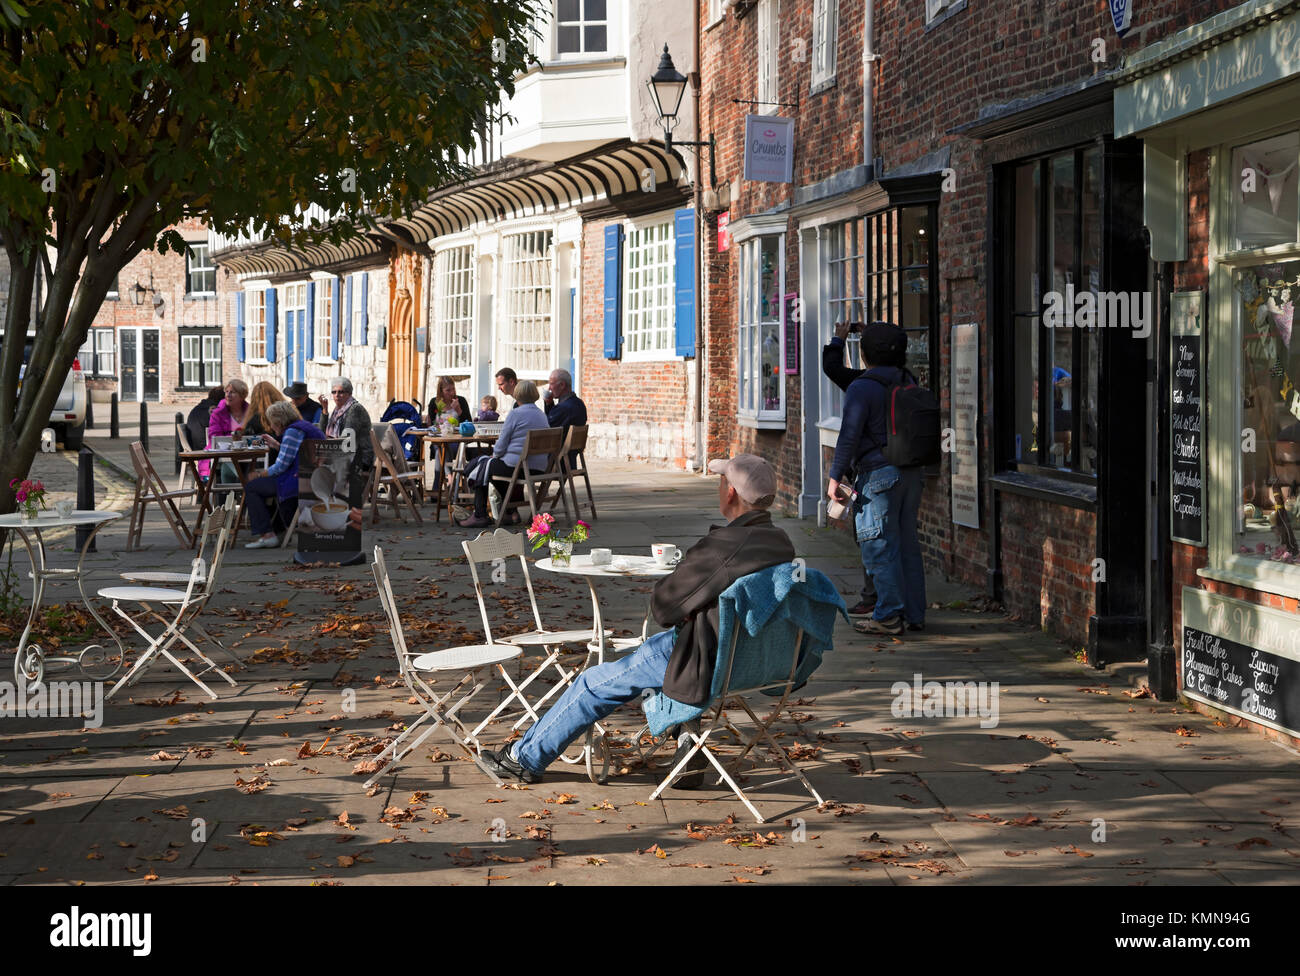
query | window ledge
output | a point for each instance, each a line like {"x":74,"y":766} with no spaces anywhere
{"x":1057,"y":490}
{"x":760,"y":424}
{"x":257,"y":362}
{"x":825,"y":84}
{"x":1253,"y":574}
{"x":202,"y":296}
{"x":957,"y":7}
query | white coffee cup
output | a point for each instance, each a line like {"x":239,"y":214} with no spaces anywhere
{"x":601,"y":557}
{"x":665,"y":553}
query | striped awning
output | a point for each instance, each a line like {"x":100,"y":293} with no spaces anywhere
{"x":515,"y":188}
{"x":506,"y":189}
{"x":273,"y":258}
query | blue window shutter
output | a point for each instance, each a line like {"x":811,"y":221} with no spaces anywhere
{"x":311,"y":321}
{"x":239,"y":326}
{"x":365,"y":309}
{"x":270,"y":325}
{"x":291,"y":320}
{"x":613,"y":291}
{"x":336,"y":312}
{"x":348,"y":307}
{"x":684,"y":280}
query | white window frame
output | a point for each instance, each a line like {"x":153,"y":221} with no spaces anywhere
{"x":191,"y":344}
{"x":749,"y":317}
{"x":323,"y":331}
{"x":100,"y":344}
{"x":825,"y":34}
{"x":526,"y":336}
{"x":649,"y":303}
{"x":841,"y":265}
{"x":717,"y":12}
{"x":768,"y":87}
{"x":358,"y":311}
{"x":608,"y":22}
{"x":255,"y":326}
{"x":455,"y":281}
{"x":200,"y":269}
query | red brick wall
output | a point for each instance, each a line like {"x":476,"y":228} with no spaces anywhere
{"x":1047,"y":554}
{"x":638,"y":410}
{"x":167,"y":272}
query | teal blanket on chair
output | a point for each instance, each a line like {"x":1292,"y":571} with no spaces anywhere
{"x":769,"y":607}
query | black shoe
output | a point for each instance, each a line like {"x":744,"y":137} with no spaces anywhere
{"x":862,"y":609}
{"x":502,"y":765}
{"x":920,"y":626}
{"x":692,"y":777}
{"x":893,"y":626}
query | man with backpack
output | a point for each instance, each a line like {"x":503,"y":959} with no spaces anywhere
{"x":889,"y":430}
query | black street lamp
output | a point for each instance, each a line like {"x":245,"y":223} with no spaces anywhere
{"x":667,"y":85}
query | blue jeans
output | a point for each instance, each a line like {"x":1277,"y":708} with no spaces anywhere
{"x":593,"y":695}
{"x":884,"y":519}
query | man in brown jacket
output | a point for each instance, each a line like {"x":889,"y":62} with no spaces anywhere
{"x":679,"y":660}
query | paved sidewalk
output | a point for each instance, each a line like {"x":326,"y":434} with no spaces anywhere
{"x":154,"y":796}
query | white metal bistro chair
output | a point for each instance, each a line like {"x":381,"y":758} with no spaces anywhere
{"x":494,"y":549}
{"x":715,"y":718}
{"x":219,"y":520}
{"x":470,"y":662}
{"x":186,"y":604}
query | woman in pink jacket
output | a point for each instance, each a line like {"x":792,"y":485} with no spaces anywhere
{"x":227,"y":416}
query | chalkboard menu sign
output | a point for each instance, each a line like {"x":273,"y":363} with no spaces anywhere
{"x":1243,"y":658}
{"x":1186,"y":418}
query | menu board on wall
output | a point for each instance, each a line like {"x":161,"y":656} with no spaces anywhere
{"x":965,"y":418}
{"x":1186,"y":418}
{"x":1242,"y":657}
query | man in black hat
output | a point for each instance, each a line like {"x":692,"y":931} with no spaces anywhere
{"x":888,"y":497}
{"x":308,"y":408}
{"x":841,"y":375}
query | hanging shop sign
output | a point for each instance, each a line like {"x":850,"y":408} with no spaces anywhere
{"x":724,"y":234}
{"x":769,"y":149}
{"x":1187,"y":418}
{"x":1121,"y":15}
{"x":1242,"y":658}
{"x":965,"y":419}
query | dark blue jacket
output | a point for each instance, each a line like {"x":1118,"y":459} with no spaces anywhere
{"x":566,"y":413}
{"x":310,"y":412}
{"x":863,"y":423}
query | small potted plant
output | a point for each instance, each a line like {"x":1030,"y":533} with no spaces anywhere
{"x":542,"y":531}
{"x":31,"y":496}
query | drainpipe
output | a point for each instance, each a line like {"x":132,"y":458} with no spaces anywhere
{"x":700,"y":251}
{"x":868,"y":57}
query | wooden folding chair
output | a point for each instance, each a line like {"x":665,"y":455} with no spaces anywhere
{"x":395,"y":477}
{"x":548,"y":441}
{"x":469,"y":662}
{"x":183,"y":439}
{"x":573,"y":463}
{"x":150,"y":488}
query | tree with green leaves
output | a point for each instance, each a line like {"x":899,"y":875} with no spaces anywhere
{"x":121,"y":118}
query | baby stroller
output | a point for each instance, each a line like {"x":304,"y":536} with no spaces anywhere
{"x":403,"y":416}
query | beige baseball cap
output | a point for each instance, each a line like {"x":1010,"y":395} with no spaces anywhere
{"x":751,"y":476}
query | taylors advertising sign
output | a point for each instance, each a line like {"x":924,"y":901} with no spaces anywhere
{"x":769,"y":149}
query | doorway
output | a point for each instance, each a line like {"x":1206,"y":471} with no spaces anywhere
{"x":140,"y":358}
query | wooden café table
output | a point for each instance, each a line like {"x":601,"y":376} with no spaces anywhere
{"x":434,"y":456}
{"x":243,"y":459}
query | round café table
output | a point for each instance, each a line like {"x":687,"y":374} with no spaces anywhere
{"x":633,"y":568}
{"x":31,"y":659}
{"x":242,"y":459}
{"x":434,"y":448}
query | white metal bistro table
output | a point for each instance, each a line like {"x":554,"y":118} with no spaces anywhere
{"x":30,"y":661}
{"x":630,"y":568}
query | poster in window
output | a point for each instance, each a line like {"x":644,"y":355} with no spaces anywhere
{"x":964,"y":459}
{"x":327,"y":490}
{"x":1186,"y":418}
{"x":793,"y":313}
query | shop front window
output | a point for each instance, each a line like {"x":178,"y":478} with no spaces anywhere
{"x":1268,"y":468}
{"x":1055,"y":259}
{"x":1267,"y":174}
{"x":761,"y":347}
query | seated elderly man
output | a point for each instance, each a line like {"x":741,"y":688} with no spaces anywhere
{"x":679,"y":659}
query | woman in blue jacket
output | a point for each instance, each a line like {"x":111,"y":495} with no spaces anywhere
{"x":281,"y":479}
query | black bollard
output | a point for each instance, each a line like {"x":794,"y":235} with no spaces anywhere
{"x":144,"y":425}
{"x":176,"y":438}
{"x":113,"y":431}
{"x":90,"y":411}
{"x":85,"y":493}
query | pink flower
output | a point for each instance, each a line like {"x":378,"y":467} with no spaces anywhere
{"x":21,"y":495}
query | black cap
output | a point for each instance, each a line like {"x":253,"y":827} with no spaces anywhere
{"x":884,"y":344}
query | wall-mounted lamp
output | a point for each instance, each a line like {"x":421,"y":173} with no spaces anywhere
{"x":667,"y":85}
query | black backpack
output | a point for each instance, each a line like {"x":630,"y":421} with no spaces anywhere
{"x":912,"y":424}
